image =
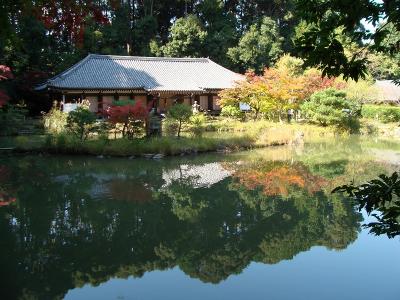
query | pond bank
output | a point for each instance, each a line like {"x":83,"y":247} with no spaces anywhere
{"x":249,"y":135}
{"x":155,"y":148}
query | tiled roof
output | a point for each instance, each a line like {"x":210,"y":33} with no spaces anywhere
{"x":148,"y":73}
{"x":387,"y":90}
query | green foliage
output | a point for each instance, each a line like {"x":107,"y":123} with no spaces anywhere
{"x":232,"y":111}
{"x":327,"y":108}
{"x":180,"y":113}
{"x":197,"y":122}
{"x":293,"y":65}
{"x":259,"y":47}
{"x":220,"y":25}
{"x":81,"y":122}
{"x":55,"y":121}
{"x":383,"y":113}
{"x":330,"y":25}
{"x":384,"y":66}
{"x":361,"y":91}
{"x":187,"y":38}
{"x":170,"y":127}
{"x":381,"y":195}
{"x":12,"y":118}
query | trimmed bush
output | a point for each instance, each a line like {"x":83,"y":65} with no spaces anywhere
{"x":383,"y":113}
{"x":197,"y":122}
{"x":81,"y":122}
{"x":331,"y":107}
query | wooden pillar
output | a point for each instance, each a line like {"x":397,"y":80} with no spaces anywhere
{"x":63,"y":102}
{"x":150,"y":98}
{"x":100,"y":102}
{"x":210,"y":102}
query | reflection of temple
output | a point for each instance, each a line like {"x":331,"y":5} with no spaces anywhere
{"x":69,"y":229}
{"x":201,"y":175}
{"x":118,"y":187}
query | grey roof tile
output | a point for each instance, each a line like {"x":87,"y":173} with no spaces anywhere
{"x":149,"y":73}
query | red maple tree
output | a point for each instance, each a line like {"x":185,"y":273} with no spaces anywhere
{"x":132,"y":116}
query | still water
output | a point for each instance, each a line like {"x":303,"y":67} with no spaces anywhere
{"x":253,"y":225}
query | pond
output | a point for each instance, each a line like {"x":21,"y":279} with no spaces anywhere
{"x":251,"y":225}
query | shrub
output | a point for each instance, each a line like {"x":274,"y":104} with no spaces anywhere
{"x":197,"y":121}
{"x":232,"y":112}
{"x":55,"y":121}
{"x":81,"y":122}
{"x":12,"y":118}
{"x":382,"y":113}
{"x":170,"y":127}
{"x":181,"y":113}
{"x":22,"y":142}
{"x":331,"y":107}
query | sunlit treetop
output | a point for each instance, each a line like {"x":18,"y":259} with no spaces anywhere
{"x":332,"y":24}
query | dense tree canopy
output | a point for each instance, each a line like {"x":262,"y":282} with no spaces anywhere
{"x":331,"y":24}
{"x":41,"y":38}
{"x":259,"y":47}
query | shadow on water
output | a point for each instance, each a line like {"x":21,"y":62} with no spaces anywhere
{"x":85,"y":220}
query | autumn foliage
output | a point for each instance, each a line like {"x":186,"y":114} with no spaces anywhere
{"x":131,"y":115}
{"x":276,"y":91}
{"x":69,"y":16}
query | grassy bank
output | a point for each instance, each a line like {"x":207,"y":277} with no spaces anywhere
{"x":220,"y":135}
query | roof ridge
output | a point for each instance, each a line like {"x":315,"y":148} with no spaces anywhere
{"x":70,"y":69}
{"x":154,"y":58}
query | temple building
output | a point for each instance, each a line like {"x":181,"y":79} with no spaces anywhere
{"x":163,"y":81}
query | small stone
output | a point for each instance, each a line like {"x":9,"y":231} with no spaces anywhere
{"x":100,"y":156}
{"x":158,"y":156}
{"x":148,"y":155}
{"x":131,"y":157}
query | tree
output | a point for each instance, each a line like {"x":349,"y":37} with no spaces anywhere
{"x":131,"y":114}
{"x":276,"y":91}
{"x":186,"y":38}
{"x":252,"y":91}
{"x":180,"y":113}
{"x":382,"y":66}
{"x":81,"y":122}
{"x":259,"y":47}
{"x":330,"y":107}
{"x":220,"y":25}
{"x":290,"y":64}
{"x":328,"y":21}
{"x":313,"y":81}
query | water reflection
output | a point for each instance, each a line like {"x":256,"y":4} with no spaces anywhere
{"x":85,"y":220}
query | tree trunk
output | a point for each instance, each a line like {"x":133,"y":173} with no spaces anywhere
{"x":179,"y":128}
{"x":256,"y":115}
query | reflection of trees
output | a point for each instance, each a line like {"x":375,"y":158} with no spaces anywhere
{"x":277,"y":178}
{"x":63,"y":235}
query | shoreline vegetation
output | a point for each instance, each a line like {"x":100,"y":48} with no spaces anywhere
{"x":222,"y":136}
